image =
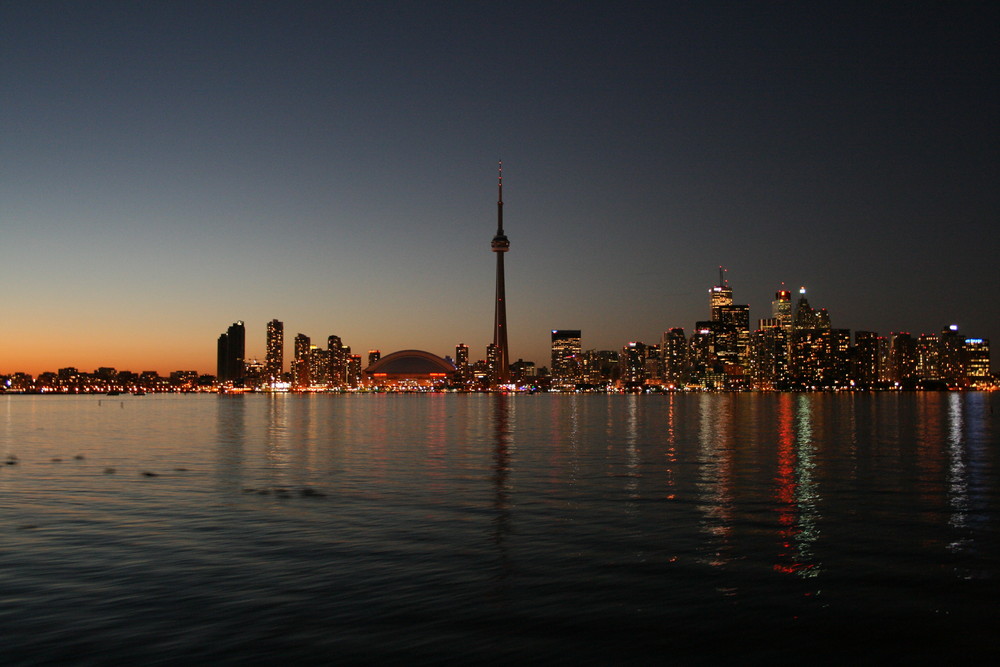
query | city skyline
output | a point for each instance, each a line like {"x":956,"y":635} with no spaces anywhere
{"x":169,"y":170}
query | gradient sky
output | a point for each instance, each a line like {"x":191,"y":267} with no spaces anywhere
{"x":168,"y":168}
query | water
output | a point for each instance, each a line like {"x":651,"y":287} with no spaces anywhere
{"x":687,"y":529}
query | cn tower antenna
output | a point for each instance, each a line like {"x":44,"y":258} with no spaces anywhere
{"x":500,"y":198}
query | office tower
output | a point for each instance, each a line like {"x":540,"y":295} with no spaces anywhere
{"x":230,"y":353}
{"x":976,"y":355}
{"x":866,"y":357}
{"x":462,"y":374}
{"x":373,"y":356}
{"x":275,"y":356}
{"x":674,"y":352}
{"x":733,"y":343}
{"x":566,"y":354}
{"x":300,"y":366}
{"x":781,"y":309}
{"x":720,"y":295}
{"x":500,"y":245}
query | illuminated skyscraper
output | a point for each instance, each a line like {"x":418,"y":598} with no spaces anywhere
{"x":275,"y":359}
{"x":461,"y":363}
{"x":720,"y":295}
{"x":500,"y":245}
{"x":781,"y":309}
{"x":866,"y":357}
{"x":674,"y":351}
{"x":337,"y":352}
{"x":566,"y":354}
{"x":373,"y":356}
{"x":976,"y":354}
{"x":300,"y":366}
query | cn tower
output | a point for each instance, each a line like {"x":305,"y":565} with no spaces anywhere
{"x":500,"y":245}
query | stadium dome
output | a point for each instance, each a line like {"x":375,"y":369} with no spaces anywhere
{"x":409,"y":367}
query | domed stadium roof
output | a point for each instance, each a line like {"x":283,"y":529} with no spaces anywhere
{"x":410,"y":363}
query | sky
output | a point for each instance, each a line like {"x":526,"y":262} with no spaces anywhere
{"x":169,"y":168}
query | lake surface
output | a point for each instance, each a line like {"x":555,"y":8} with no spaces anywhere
{"x":686,"y":529}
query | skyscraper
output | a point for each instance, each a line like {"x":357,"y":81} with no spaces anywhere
{"x":720,"y":295}
{"x":500,"y":245}
{"x":275,"y":359}
{"x":461,"y":363}
{"x":781,"y":309}
{"x":300,"y":366}
{"x":566,"y":354}
{"x":230,"y":353}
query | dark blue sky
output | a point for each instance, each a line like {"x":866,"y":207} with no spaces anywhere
{"x":168,"y":168}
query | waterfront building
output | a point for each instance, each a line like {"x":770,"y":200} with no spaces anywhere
{"x":521,"y":370}
{"x":374,"y":356}
{"x":976,"y":353}
{"x":231,"y":351}
{"x":409,"y":369}
{"x":300,"y":366}
{"x":951,"y":363}
{"x":902,"y":357}
{"x":462,"y":371}
{"x":500,"y":245}
{"x":835,"y":361}
{"x":254,"y":373}
{"x":633,"y":365}
{"x":866,"y":357}
{"x":927,"y":351}
{"x":319,"y":366}
{"x":275,"y":353}
{"x":675,"y":357}
{"x":353,"y":371}
{"x":337,"y":354}
{"x":566,"y":350}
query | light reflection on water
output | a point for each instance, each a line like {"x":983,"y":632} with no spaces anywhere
{"x":445,"y":527}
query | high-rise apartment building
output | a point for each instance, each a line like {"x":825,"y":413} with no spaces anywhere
{"x":231,"y":351}
{"x":462,"y":373}
{"x":337,"y":354}
{"x":866,"y":357}
{"x":674,"y":353}
{"x":300,"y":366}
{"x":633,"y":364}
{"x":274,"y":360}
